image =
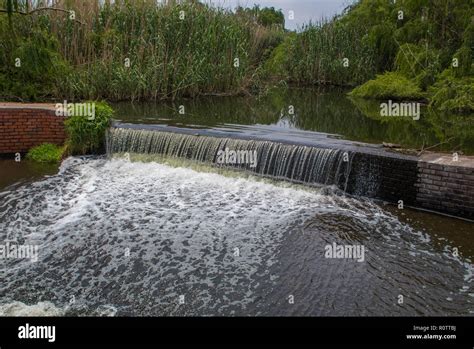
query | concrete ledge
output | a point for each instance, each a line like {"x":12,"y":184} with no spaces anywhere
{"x":14,"y":105}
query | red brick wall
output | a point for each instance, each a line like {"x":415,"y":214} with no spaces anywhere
{"x":24,"y":128}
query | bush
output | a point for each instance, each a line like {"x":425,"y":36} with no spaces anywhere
{"x":87,"y":136}
{"x":41,"y":68}
{"x":419,"y":64}
{"x":46,"y":152}
{"x":451,"y":94}
{"x":276,"y":65}
{"x":389,"y":85}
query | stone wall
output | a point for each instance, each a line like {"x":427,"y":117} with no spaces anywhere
{"x":433,"y":182}
{"x":390,"y":178}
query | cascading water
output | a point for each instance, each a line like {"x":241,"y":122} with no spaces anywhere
{"x":133,"y":237}
{"x":295,"y":163}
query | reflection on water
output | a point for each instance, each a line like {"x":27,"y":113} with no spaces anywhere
{"x":328,"y":111}
{"x":133,"y":238}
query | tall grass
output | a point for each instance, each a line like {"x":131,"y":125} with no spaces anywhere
{"x":169,"y":55}
{"x":329,"y":53}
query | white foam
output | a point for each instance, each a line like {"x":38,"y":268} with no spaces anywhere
{"x":181,"y":228}
{"x":16,"y":308}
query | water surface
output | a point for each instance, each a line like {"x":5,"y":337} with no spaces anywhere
{"x":142,"y":238}
{"x":317,"y":110}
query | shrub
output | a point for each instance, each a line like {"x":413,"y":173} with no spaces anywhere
{"x":418,"y":63}
{"x":389,"y":85}
{"x":41,"y":68}
{"x":451,"y":94}
{"x":276,"y":65}
{"x":87,"y":136}
{"x":46,"y":152}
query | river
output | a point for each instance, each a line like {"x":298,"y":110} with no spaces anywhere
{"x":120,"y":237}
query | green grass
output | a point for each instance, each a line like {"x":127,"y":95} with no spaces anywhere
{"x":46,"y":152}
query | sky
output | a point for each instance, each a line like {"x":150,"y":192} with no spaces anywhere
{"x":304,"y":10}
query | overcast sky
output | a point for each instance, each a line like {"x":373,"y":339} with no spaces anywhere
{"x":304,"y":10}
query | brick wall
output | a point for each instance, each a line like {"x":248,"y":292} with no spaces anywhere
{"x":434,"y":182}
{"x":23,"y":128}
{"x":446,"y":187}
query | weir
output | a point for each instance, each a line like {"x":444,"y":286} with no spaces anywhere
{"x":356,"y":168}
{"x":295,"y":163}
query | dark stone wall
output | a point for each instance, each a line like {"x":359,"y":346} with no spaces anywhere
{"x":382,"y":177}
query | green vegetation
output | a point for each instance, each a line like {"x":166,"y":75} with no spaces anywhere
{"x":267,"y":16}
{"x":132,"y":50}
{"x":275,"y":67}
{"x":30,"y":67}
{"x":405,"y":45}
{"x":329,"y":53}
{"x":427,"y":46}
{"x":86,"y":135}
{"x":46,"y":152}
{"x":451,"y":94}
{"x":388,"y":86}
{"x":144,"y":50}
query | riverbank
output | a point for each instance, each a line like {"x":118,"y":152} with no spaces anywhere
{"x":195,"y":49}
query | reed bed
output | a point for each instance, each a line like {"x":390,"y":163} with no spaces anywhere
{"x":329,"y":53}
{"x":147,"y":49}
{"x":144,"y":50}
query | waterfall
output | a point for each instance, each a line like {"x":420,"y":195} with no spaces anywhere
{"x":296,"y":163}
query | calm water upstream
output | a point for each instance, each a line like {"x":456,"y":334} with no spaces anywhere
{"x":139,"y":238}
{"x":326,"y":111}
